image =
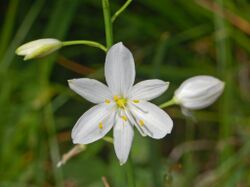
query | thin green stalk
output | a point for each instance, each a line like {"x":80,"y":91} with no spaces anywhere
{"x":130,"y":173}
{"x":155,"y":164}
{"x":109,"y":41}
{"x":223,"y":49}
{"x":108,"y":23}
{"x":169,"y":103}
{"x":85,"y":42}
{"x":118,"y":12}
{"x":188,"y":160}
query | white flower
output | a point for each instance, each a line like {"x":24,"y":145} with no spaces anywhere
{"x":198,"y":92}
{"x":120,"y":105}
{"x":38,"y":48}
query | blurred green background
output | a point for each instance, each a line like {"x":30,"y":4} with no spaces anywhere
{"x":170,"y":40}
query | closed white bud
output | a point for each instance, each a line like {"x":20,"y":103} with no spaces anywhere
{"x":38,"y":48}
{"x":199,"y":92}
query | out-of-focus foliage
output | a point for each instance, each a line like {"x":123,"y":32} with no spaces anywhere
{"x":171,"y":40}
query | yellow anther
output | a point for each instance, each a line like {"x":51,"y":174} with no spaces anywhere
{"x":107,"y":101}
{"x":136,"y":101}
{"x":116,"y":97}
{"x":141,"y":122}
{"x":124,"y":118}
{"x":100,"y":125}
{"x":120,"y":101}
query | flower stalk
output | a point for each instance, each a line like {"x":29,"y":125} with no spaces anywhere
{"x":108,"y":23}
{"x":171,"y":102}
{"x":118,"y":12}
{"x":85,"y":42}
{"x":130,"y":173}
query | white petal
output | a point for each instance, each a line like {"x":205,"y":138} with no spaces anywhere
{"x":149,"y":89}
{"x":119,"y":69}
{"x":92,"y":90}
{"x":154,"y":121}
{"x":93,"y":124}
{"x":123,"y":137}
{"x":199,"y":92}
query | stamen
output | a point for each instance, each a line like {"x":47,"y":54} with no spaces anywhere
{"x":139,"y":108}
{"x":100,"y":125}
{"x":120,"y":101}
{"x":136,"y":101}
{"x":133,"y":121}
{"x":107,"y":101}
{"x":116,"y":97}
{"x":124,"y":118}
{"x":141,"y":122}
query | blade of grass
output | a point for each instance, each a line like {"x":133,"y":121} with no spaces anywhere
{"x":8,"y":26}
{"x":58,"y":28}
{"x":224,"y":59}
{"x":22,"y":32}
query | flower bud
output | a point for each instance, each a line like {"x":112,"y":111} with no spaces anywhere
{"x":199,"y":92}
{"x":38,"y":48}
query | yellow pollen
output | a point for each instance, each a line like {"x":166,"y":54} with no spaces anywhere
{"x":107,"y":101}
{"x":136,"y":101}
{"x":116,"y":97}
{"x":100,"y":125}
{"x":120,"y":101}
{"x":141,"y":122}
{"x":124,"y":118}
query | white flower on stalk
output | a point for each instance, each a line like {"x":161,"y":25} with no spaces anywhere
{"x":198,"y":92}
{"x":120,"y":105}
{"x":38,"y":48}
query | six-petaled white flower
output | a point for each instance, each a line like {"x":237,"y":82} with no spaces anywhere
{"x":199,"y":92}
{"x":120,"y":105}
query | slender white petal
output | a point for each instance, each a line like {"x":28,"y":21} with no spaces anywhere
{"x":154,"y":121}
{"x":93,"y":124}
{"x":119,"y":69}
{"x":149,"y":89}
{"x":92,"y":90}
{"x":199,"y":92}
{"x":123,"y":137}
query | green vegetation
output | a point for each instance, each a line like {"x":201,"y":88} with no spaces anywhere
{"x":170,"y":40}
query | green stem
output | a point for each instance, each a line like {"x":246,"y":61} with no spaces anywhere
{"x":108,"y":23}
{"x":118,"y":12}
{"x":86,"y":42}
{"x":169,"y":103}
{"x":109,"y":42}
{"x":225,"y":64}
{"x":130,"y":173}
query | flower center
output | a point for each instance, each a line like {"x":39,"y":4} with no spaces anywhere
{"x":120,"y":101}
